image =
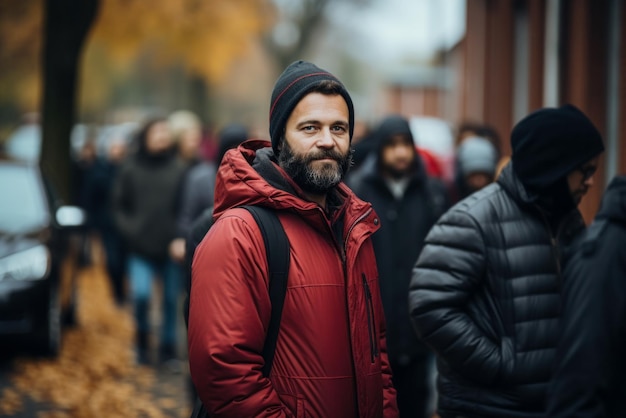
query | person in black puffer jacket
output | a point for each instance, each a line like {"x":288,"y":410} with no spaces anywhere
{"x":485,"y":289}
{"x":393,"y":179}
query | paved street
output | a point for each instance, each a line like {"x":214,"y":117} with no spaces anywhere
{"x":95,"y":374}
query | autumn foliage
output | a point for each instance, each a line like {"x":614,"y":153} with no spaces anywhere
{"x":202,"y":36}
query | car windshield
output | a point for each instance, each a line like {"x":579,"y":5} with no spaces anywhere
{"x":23,"y":207}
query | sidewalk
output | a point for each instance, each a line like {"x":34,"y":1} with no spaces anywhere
{"x":95,"y":374}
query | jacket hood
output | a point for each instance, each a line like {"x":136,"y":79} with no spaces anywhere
{"x":398,"y":125}
{"x":555,"y":202}
{"x":250,"y":175}
{"x":551,"y":142}
{"x":512,"y":184}
{"x":555,"y":199}
{"x":613,"y":205}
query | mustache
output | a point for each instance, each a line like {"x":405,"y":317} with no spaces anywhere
{"x":327,"y":154}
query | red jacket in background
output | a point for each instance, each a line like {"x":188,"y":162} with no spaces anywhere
{"x":432,"y":165}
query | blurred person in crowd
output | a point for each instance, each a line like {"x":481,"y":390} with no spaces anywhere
{"x":196,"y":213}
{"x":144,"y":205}
{"x":84,"y":161}
{"x":186,"y":130}
{"x":198,"y":191}
{"x":331,"y":358}
{"x":485,"y":289}
{"x":199,"y":183}
{"x":98,"y":185}
{"x":366,"y":149}
{"x":590,"y":365}
{"x":473,"y":129}
{"x":408,"y":203}
{"x":476,"y":161}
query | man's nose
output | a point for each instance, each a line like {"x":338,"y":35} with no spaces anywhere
{"x":589,"y":182}
{"x":325,"y":138}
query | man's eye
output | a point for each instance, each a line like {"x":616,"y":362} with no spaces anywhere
{"x":308,"y":128}
{"x":339,"y":128}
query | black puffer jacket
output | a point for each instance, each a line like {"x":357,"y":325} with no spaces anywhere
{"x":485,"y":296}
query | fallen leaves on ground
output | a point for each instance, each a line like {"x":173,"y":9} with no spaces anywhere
{"x":95,"y":373}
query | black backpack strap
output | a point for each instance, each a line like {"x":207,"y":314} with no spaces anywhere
{"x":277,"y":250}
{"x":277,"y":253}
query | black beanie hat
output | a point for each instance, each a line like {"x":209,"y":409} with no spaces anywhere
{"x":294,"y":83}
{"x":550,"y":143}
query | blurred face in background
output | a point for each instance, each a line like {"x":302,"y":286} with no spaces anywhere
{"x":397,"y":156}
{"x":189,"y":142}
{"x":158,"y":138}
{"x":117,"y":150}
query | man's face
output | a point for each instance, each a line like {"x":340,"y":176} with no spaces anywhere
{"x":315,"y":150}
{"x":397,"y":156}
{"x":581,"y":179}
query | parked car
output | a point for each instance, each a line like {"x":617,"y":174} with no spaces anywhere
{"x":39,"y":248}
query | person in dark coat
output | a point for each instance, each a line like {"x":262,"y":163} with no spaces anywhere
{"x":409,"y":203}
{"x":144,"y":203}
{"x":98,"y":184}
{"x":485,"y":290}
{"x":590,"y":364}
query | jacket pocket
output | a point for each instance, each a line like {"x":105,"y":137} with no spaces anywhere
{"x":371,"y":324}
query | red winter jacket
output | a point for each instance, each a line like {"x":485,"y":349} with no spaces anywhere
{"x":331,"y":358}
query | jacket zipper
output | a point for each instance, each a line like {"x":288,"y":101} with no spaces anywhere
{"x":359,"y":219}
{"x":370,"y":320}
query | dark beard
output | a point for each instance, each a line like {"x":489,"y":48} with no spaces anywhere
{"x":310,"y":180}
{"x":397,"y":174}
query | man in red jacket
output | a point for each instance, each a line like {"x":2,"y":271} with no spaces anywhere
{"x":331,"y":357}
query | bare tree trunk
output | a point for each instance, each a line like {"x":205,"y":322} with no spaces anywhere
{"x":66,"y":24}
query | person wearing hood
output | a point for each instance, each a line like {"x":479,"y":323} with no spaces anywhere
{"x":485,"y":291}
{"x":144,"y":199}
{"x":588,"y":380}
{"x":409,"y":202}
{"x":330,"y":358}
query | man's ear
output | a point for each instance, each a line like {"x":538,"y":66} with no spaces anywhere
{"x":282,"y":140}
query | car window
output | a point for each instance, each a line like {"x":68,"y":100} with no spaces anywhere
{"x":23,"y":207}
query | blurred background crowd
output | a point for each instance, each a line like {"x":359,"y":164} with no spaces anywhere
{"x":95,"y":91}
